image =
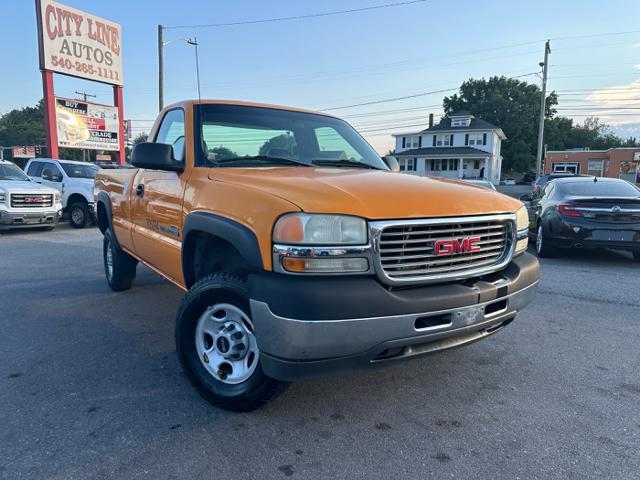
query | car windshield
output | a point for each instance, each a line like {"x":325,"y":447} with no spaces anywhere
{"x":237,"y":135}
{"x":76,"y":170}
{"x":599,"y":189}
{"x":12,"y":173}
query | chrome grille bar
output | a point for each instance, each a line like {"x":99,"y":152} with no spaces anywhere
{"x":405,"y":250}
{"x":31,"y":200}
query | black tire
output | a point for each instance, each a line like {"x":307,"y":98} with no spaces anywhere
{"x":123,"y":266}
{"x":254,"y":392}
{"x":79,"y":214}
{"x":636,"y":254}
{"x":543,"y":249}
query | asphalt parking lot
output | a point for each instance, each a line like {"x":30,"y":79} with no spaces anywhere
{"x":90,"y":386}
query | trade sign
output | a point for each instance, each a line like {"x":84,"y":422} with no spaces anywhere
{"x":23,"y":152}
{"x":76,"y":43}
{"x":87,"y":125}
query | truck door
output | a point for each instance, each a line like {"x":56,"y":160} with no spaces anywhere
{"x":156,"y":204}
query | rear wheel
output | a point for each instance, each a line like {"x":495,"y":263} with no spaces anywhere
{"x":79,"y":214}
{"x":217,"y":346}
{"x":543,"y":249}
{"x":119,"y":266}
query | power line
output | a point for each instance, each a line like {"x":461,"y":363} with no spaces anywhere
{"x":298,"y":17}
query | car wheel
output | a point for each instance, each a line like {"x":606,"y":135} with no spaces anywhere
{"x":217,"y":346}
{"x":119,"y":266}
{"x":79,"y":214}
{"x":543,"y":249}
{"x":636,"y":254}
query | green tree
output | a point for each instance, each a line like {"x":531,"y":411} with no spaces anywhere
{"x":511,"y":104}
{"x":221,"y":152}
{"x":141,"y":138}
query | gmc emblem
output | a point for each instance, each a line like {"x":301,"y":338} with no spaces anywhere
{"x":455,"y":245}
{"x":32,"y":200}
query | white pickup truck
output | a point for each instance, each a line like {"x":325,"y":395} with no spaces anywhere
{"x":24,"y":203}
{"x":74,"y":181}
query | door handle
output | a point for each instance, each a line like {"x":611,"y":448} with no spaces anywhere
{"x":140,"y":191}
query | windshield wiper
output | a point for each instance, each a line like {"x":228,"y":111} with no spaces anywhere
{"x":341,"y":163}
{"x":262,"y":159}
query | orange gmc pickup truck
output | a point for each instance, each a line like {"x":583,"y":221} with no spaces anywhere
{"x":303,"y":253}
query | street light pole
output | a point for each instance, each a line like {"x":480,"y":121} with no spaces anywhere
{"x":160,"y":68}
{"x":545,"y":68}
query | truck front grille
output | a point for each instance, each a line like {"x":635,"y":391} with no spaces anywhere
{"x":31,"y":200}
{"x":437,"y":250}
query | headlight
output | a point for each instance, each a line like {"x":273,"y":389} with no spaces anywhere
{"x":318,"y":229}
{"x":57,"y":196}
{"x":2,"y":197}
{"x":522,"y":229}
{"x":321,"y":244}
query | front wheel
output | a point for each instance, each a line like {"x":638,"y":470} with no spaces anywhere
{"x":543,"y":249}
{"x":79,"y":214}
{"x":217,"y":346}
{"x":119,"y":266}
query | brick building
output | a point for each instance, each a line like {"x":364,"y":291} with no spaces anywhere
{"x":615,"y":163}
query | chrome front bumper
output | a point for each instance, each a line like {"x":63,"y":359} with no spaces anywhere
{"x":369,"y":340}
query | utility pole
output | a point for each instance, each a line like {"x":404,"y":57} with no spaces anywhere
{"x":160,"y":68}
{"x":545,"y":69}
{"x":85,"y":95}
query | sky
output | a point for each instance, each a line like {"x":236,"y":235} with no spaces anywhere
{"x":336,"y":61}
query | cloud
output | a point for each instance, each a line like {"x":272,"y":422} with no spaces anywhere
{"x":637,"y":66}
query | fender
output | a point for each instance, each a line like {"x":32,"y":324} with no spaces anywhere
{"x":238,"y":235}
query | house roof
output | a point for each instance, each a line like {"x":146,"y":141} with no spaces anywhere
{"x":476,"y":124}
{"x":443,"y":152}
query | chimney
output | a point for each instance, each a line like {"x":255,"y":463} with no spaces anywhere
{"x":430,"y":120}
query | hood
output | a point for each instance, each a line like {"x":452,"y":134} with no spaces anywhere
{"x":372,"y":194}
{"x":20,"y":187}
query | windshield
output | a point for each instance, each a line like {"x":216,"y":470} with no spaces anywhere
{"x":233,"y":135}
{"x":599,"y":189}
{"x":76,"y":170}
{"x":12,"y":173}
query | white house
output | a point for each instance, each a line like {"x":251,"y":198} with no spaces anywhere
{"x":460,"y":146}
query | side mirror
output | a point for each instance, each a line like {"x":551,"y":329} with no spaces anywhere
{"x":155,"y":156}
{"x":392,"y":163}
{"x":526,"y":198}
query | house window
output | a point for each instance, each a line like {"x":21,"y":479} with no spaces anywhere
{"x":476,"y":139}
{"x":476,"y":163}
{"x":443,"y":140}
{"x":408,"y":164}
{"x":566,"y":167}
{"x":595,"y":167}
{"x":453,"y":164}
{"x":435,"y":165}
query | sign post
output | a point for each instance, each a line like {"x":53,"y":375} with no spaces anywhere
{"x":78,"y":44}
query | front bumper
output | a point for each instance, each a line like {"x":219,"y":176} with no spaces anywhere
{"x":29,"y":219}
{"x":334,"y":325}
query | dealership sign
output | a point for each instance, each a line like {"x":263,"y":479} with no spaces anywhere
{"x":87,"y":125}
{"x":73,"y":42}
{"x":23,"y":152}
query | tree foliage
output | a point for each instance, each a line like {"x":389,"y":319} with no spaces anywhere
{"x":141,"y":138}
{"x":514,"y":106}
{"x":280,"y":142}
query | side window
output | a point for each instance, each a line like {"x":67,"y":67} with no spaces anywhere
{"x":52,"y":173}
{"x":172,"y":131}
{"x":35,"y":169}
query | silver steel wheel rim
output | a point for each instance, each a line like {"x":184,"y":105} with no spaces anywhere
{"x":226,"y":344}
{"x":77,"y":215}
{"x":539,"y":239}
{"x":109,"y":260}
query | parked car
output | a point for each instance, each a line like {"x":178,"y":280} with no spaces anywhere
{"x":302,"y":252}
{"x":74,"y":180}
{"x":581,"y":212}
{"x":481,"y":183}
{"x":509,"y":181}
{"x":24,"y":203}
{"x":547,"y":177}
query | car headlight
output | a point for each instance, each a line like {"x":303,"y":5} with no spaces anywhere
{"x":57,"y":196}
{"x":522,"y":229}
{"x":318,"y":229}
{"x":3,"y":197}
{"x":317,"y":243}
